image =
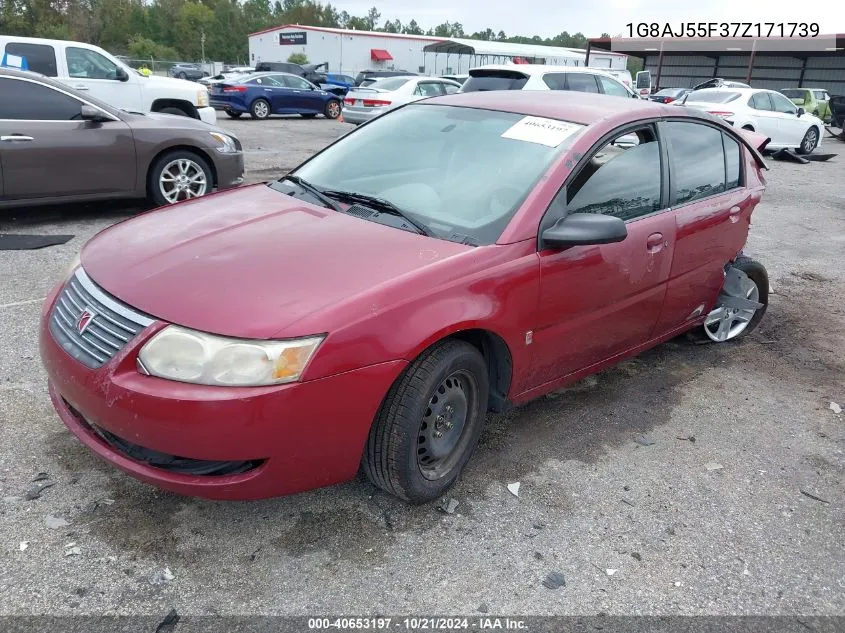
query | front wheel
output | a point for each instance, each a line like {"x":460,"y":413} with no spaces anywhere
{"x":332,"y":110}
{"x":728,"y":322}
{"x":809,"y":142}
{"x":177,"y":176}
{"x":429,"y":423}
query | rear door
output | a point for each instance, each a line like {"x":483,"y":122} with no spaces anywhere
{"x":712,"y":211}
{"x":599,"y":301}
{"x":48,"y":151}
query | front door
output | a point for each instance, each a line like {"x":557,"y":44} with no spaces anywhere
{"x":712,"y":210}
{"x":599,"y":301}
{"x":306,"y":97}
{"x":792,"y":127}
{"x":47,"y":150}
{"x":91,"y":72}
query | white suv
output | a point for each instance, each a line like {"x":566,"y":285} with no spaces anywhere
{"x":93,"y":70}
{"x":542,"y":77}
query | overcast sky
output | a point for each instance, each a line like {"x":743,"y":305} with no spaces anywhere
{"x":593,"y":17}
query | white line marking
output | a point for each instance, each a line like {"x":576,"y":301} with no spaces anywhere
{"x":21,"y":303}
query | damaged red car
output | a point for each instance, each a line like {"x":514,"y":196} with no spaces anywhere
{"x":457,"y":255}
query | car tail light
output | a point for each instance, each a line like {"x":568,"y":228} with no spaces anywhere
{"x":349,"y":101}
{"x":234,"y":89}
{"x":668,"y":100}
{"x":720,"y":113}
{"x":375,"y":103}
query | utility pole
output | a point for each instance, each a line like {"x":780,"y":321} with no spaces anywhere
{"x":202,"y":44}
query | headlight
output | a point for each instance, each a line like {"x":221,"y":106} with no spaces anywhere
{"x":177,"y":353}
{"x":228,"y":145}
{"x":202,"y":98}
{"x":76,"y":263}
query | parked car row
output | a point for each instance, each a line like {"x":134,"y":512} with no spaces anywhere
{"x":263,"y":94}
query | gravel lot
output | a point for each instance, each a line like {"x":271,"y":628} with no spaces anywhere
{"x":746,"y":538}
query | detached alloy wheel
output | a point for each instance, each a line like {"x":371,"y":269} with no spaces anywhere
{"x":809,"y":142}
{"x":429,"y":423}
{"x":178,"y":176}
{"x":726,"y":323}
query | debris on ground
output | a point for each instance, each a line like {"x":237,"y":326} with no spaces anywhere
{"x":168,"y":624}
{"x":483,"y":608}
{"x":812,"y":496}
{"x":447,"y":505}
{"x":836,"y":408}
{"x":514,"y":488}
{"x":628,"y":502}
{"x":713,"y":466}
{"x":162,"y":576}
{"x":636,"y":556}
{"x":611,"y":572}
{"x":644,"y":440}
{"x":39,"y":484}
{"x":689,"y":438}
{"x":24,"y":545}
{"x":54,"y":522}
{"x":555,"y":580}
{"x":71,"y":549}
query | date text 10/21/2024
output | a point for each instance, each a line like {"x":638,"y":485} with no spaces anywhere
{"x":723,"y":29}
{"x":418,"y":624}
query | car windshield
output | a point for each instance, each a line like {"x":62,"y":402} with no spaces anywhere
{"x":712,"y":96}
{"x":494,"y":80}
{"x":391,"y":83}
{"x":794,"y":94}
{"x":460,"y":172}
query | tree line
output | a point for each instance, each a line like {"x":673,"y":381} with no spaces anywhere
{"x":213,"y":29}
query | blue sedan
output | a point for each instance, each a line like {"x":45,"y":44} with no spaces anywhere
{"x":263,"y":94}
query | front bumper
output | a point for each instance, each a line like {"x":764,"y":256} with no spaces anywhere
{"x":230,"y":170}
{"x":208,"y":114}
{"x":276,"y":440}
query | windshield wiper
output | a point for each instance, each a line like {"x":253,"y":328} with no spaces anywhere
{"x":314,"y":191}
{"x":379,"y":204}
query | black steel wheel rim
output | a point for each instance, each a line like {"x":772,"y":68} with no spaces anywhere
{"x":444,"y":430}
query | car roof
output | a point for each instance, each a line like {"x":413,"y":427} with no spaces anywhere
{"x":537,"y":69}
{"x":49,"y":81}
{"x":741,"y":91}
{"x":577,"y":107}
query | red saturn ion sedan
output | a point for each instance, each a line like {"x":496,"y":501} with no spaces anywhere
{"x":457,"y":255}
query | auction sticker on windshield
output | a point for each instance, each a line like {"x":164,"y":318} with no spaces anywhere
{"x":536,"y":129}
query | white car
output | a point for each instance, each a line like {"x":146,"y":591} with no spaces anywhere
{"x":542,"y":77}
{"x":94,"y":71}
{"x":763,"y":111}
{"x":362,"y":104}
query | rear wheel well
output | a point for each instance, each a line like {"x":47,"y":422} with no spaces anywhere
{"x":497,"y":356}
{"x":185,"y":106}
{"x":184,"y":148}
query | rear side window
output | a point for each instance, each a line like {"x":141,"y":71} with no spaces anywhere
{"x":494,"y":80}
{"x":581,"y":82}
{"x":697,"y":160}
{"x":555,"y":81}
{"x":761,"y":101}
{"x":732,"y":160}
{"x":40,"y":58}
{"x":28,"y":101}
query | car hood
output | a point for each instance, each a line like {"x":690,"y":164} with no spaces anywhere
{"x":252,"y":262}
{"x":171,"y":83}
{"x":141,"y":120}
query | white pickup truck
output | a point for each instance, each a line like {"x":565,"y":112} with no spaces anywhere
{"x":93,"y":70}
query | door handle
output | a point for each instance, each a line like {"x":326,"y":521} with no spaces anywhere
{"x":13,"y":138}
{"x":268,"y":90}
{"x":734,"y":214}
{"x":655,"y":242}
{"x":81,"y":87}
{"x":735,"y":210}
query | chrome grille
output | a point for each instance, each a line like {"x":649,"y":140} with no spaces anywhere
{"x":91,"y":325}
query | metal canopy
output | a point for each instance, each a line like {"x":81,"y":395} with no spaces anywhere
{"x":462,"y":46}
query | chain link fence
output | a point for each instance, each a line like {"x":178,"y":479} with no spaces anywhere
{"x":162,"y":67}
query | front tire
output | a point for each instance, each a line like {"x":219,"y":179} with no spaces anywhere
{"x":730,"y":324}
{"x":177,"y":176}
{"x":260,"y":109}
{"x":809,"y":142}
{"x":332,"y":109}
{"x":429,"y":423}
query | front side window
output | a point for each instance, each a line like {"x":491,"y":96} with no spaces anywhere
{"x":782,"y":104}
{"x":297,"y":83}
{"x":40,"y":58}
{"x":28,"y":101}
{"x":620,"y":180}
{"x":462,"y":172}
{"x":87,"y":64}
{"x":697,"y":160}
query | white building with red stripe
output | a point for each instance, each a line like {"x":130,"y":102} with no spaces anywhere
{"x":350,"y":51}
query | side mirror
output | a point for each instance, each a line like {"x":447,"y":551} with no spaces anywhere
{"x":800,"y":111}
{"x":584,"y":229}
{"x":121,"y":75}
{"x":90,"y":113}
